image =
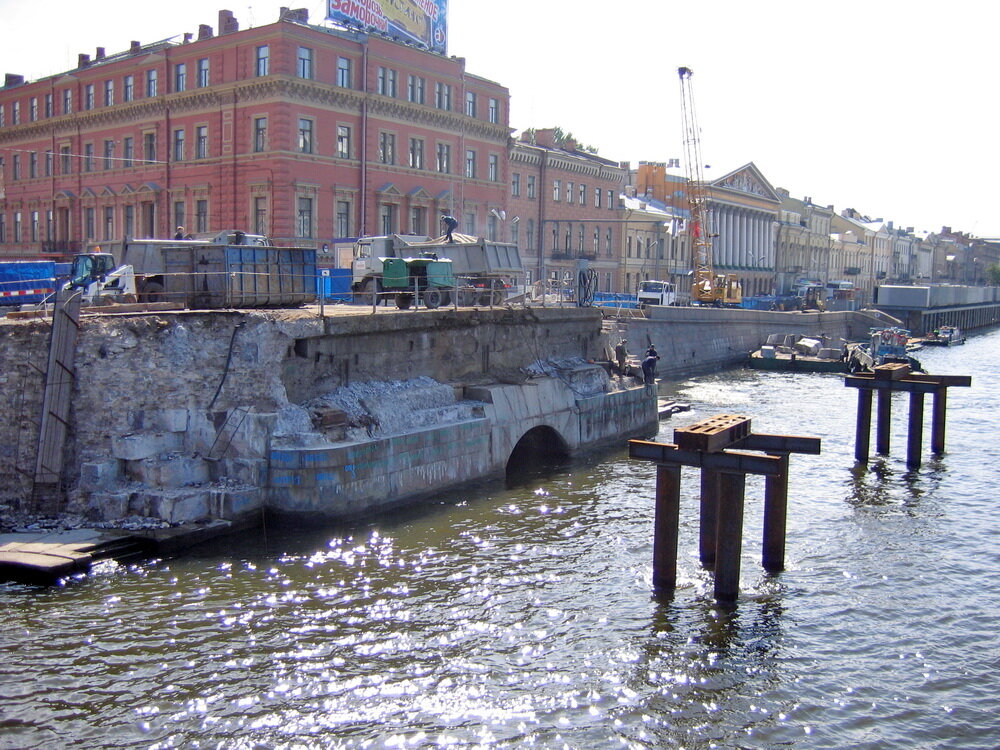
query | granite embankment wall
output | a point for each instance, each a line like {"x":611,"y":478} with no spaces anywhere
{"x":695,"y":340}
{"x":185,"y":415}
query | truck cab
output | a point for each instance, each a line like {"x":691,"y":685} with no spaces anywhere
{"x":656,"y":293}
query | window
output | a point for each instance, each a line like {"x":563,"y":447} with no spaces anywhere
{"x":607,"y":243}
{"x":263,"y":65}
{"x":470,"y":164}
{"x":260,"y":215}
{"x":583,"y":194}
{"x":180,"y":77}
{"x":385,"y":82}
{"x":67,"y":101}
{"x":529,"y":234}
{"x":17,"y":226}
{"x":201,"y":142}
{"x":597,"y":197}
{"x":179,"y":145}
{"x":304,"y":63}
{"x":203,"y":72}
{"x":3,"y":228}
{"x":65,"y":160}
{"x":531,"y":186}
{"x":415,"y":89}
{"x":343,"y":219}
{"x":88,"y":96}
{"x":597,"y":240}
{"x":515,"y":185}
{"x":494,"y":168}
{"x":33,"y":109}
{"x":49,"y":163}
{"x":569,"y":192}
{"x":556,"y":189}
{"x":34,"y":226}
{"x":344,"y":77}
{"x":128,"y":150}
{"x":149,"y":147}
{"x":200,"y":215}
{"x":305,"y":135}
{"x":470,"y":223}
{"x":128,"y":221}
{"x":492,"y":228}
{"x":109,"y":154}
{"x":88,"y":157}
{"x":259,"y":134}
{"x":387,"y":148}
{"x":305,"y":217}
{"x":418,"y":215}
{"x":109,"y":222}
{"x":470,"y":103}
{"x":611,"y":200}
{"x":151,"y":78}
{"x":15,"y":114}
{"x":416,"y":153}
{"x":179,"y":212}
{"x":444,"y":158}
{"x":344,"y":142}
{"x":109,"y":93}
{"x":48,"y":107}
{"x":493,"y":113}
{"x":33,"y":164}
{"x":442,"y":96}
{"x":89,"y":223}
{"x":128,"y":88}
{"x":387,"y":218}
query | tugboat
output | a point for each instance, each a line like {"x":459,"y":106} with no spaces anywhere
{"x":885,"y":345}
{"x":944,"y":336}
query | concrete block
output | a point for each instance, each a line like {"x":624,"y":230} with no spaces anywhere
{"x":171,"y":470}
{"x":172,"y":420}
{"x":251,"y":471}
{"x":99,"y":475}
{"x":109,"y":506}
{"x":231,"y":504}
{"x":182,"y":507}
{"x":145,"y":444}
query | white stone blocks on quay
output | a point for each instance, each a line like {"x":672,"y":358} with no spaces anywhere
{"x":99,"y":475}
{"x":169,"y":470}
{"x":136,"y":446}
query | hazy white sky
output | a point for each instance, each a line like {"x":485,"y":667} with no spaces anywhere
{"x":886,"y":106}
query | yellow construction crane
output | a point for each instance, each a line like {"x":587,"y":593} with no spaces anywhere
{"x":707,"y":287}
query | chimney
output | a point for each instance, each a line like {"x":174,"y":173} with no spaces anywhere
{"x":204,"y":31}
{"x":298,"y":15}
{"x":569,"y":144}
{"x":227,"y":22}
{"x":545,"y":137}
{"x":135,"y":48}
{"x":188,"y":36}
{"x":12,"y":79}
{"x":82,"y":60}
{"x":100,"y":54}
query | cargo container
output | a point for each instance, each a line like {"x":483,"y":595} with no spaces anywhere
{"x":26,"y":281}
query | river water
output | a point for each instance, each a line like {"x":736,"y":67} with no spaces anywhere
{"x":524,"y":617}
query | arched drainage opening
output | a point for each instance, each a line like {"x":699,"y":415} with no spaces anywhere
{"x":539,"y":451}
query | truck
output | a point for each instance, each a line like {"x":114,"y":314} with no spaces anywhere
{"x":484,"y":270}
{"x":229,"y":269}
{"x":656,"y":293}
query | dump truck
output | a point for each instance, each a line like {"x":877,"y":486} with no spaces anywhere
{"x":204,"y":273}
{"x":485,"y":271}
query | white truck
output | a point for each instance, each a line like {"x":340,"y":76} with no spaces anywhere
{"x":485,"y":271}
{"x":656,"y":293}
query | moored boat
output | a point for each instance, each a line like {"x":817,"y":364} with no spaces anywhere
{"x":798,"y":353}
{"x":944,"y":336}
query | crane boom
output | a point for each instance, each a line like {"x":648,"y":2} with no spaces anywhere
{"x":706,"y":287}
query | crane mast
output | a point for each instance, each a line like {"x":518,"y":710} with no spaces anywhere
{"x":706,"y":287}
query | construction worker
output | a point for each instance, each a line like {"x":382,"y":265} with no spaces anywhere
{"x":450,"y":223}
{"x":621,"y":355}
{"x":649,"y":366}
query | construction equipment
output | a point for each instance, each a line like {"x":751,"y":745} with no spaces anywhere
{"x":485,"y":270}
{"x":707,"y":287}
{"x":428,"y":279}
{"x":100,"y":277}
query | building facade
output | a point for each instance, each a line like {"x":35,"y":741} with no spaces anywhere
{"x":304,"y":133}
{"x":565,"y":209}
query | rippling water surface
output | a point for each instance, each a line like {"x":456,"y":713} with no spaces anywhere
{"x":524,"y":617}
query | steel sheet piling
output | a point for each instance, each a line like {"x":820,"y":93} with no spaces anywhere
{"x":915,"y":436}
{"x":938,"y":420}
{"x":775,"y":516}
{"x":883,"y":421}
{"x":668,"y":504}
{"x":729,"y":540}
{"x":863,"y":431}
{"x":709,"y":513}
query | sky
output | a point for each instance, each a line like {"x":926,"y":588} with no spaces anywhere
{"x":885,"y":106}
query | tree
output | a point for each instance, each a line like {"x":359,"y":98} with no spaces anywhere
{"x":562,"y":137}
{"x":993,"y":274}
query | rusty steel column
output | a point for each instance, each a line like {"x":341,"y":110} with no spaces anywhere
{"x":863,"y":430}
{"x":709,"y":516}
{"x":883,"y":423}
{"x":775,"y":514}
{"x":938,"y":420}
{"x":665,"y":526}
{"x":729,"y":539}
{"x":915,"y":432}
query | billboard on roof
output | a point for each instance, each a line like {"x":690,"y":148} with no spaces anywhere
{"x":424,"y":22}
